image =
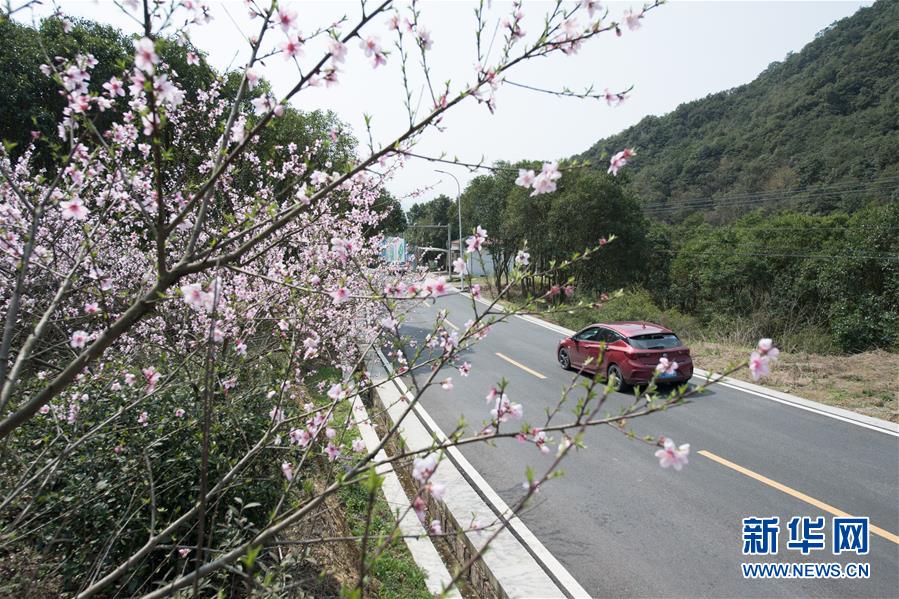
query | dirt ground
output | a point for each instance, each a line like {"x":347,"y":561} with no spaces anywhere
{"x":867,"y":383}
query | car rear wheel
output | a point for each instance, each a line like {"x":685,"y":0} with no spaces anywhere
{"x":615,"y":376}
{"x":564,"y":359}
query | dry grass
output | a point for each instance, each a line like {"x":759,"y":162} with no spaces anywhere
{"x":867,"y":383}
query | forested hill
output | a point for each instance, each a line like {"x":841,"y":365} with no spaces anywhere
{"x":825,"y":119}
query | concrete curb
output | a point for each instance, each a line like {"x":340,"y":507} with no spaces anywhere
{"x":869,"y":422}
{"x":516,"y":564}
{"x":422,"y":549}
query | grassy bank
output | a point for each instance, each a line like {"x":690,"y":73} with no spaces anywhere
{"x":394,"y":574}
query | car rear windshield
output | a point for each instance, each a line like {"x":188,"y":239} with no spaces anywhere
{"x":654,"y":341}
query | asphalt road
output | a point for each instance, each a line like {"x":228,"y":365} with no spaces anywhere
{"x":624,"y":527}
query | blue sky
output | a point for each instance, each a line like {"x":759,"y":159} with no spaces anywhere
{"x":685,"y":50}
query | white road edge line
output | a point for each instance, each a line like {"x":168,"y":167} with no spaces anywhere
{"x":422,"y":548}
{"x":570,"y":584}
{"x":868,"y":422}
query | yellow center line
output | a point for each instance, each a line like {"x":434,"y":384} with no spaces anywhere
{"x":520,"y":365}
{"x":446,"y":321}
{"x":793,"y":492}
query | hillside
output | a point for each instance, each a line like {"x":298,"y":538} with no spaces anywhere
{"x":825,"y":119}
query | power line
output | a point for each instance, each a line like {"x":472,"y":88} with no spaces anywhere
{"x":853,"y":187}
{"x":885,"y":257}
{"x":713,"y":203}
{"x":835,"y":187}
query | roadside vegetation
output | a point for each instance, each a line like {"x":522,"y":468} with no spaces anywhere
{"x":826,"y":284}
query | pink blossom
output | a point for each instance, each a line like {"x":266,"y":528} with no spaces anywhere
{"x":318,"y":178}
{"x":666,"y":367}
{"x":424,"y":38}
{"x":437,"y":490}
{"x":613,"y":99}
{"x":359,"y":446}
{"x":420,"y":508}
{"x":465,"y":369}
{"x":196,"y":298}
{"x":151,"y":376}
{"x":261,"y":105}
{"x":337,"y":50}
{"x":591,"y":5}
{"x":91,"y":308}
{"x":447,"y":384}
{"x":340,"y":295}
{"x":252,"y":78}
{"x":183,"y":552}
{"x":525,"y":178}
{"x":423,"y":468}
{"x":287,"y":469}
{"x":332,"y":451}
{"x":130,"y":379}
{"x":492,"y":395}
{"x":193,"y":58}
{"x":620,"y":159}
{"x":522,"y":258}
{"x":459,"y":266}
{"x":337,"y":392}
{"x":546,"y":180}
{"x":435,"y":528}
{"x":300,"y":437}
{"x":240,"y":348}
{"x":477,"y":240}
{"x":759,"y":366}
{"x":370,"y":45}
{"x":476,"y":291}
{"x":435,"y":286}
{"x":505,"y":408}
{"x":372,"y":48}
{"x":73,"y":209}
{"x":45,"y":409}
{"x":632,"y":20}
{"x":292,"y":48}
{"x":79,"y":339}
{"x":145,"y":55}
{"x":286,"y":18}
{"x":671,"y":455}
{"x":766,"y":348}
{"x":143,"y":419}
{"x":114,"y":87}
{"x":179,"y":413}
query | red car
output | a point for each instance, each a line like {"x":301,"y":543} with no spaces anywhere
{"x":633,"y":350}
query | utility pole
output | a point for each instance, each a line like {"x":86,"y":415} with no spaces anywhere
{"x":458,"y":209}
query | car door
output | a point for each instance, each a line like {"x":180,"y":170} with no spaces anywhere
{"x":589,"y":349}
{"x":614,"y":345}
{"x":582,"y":344}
